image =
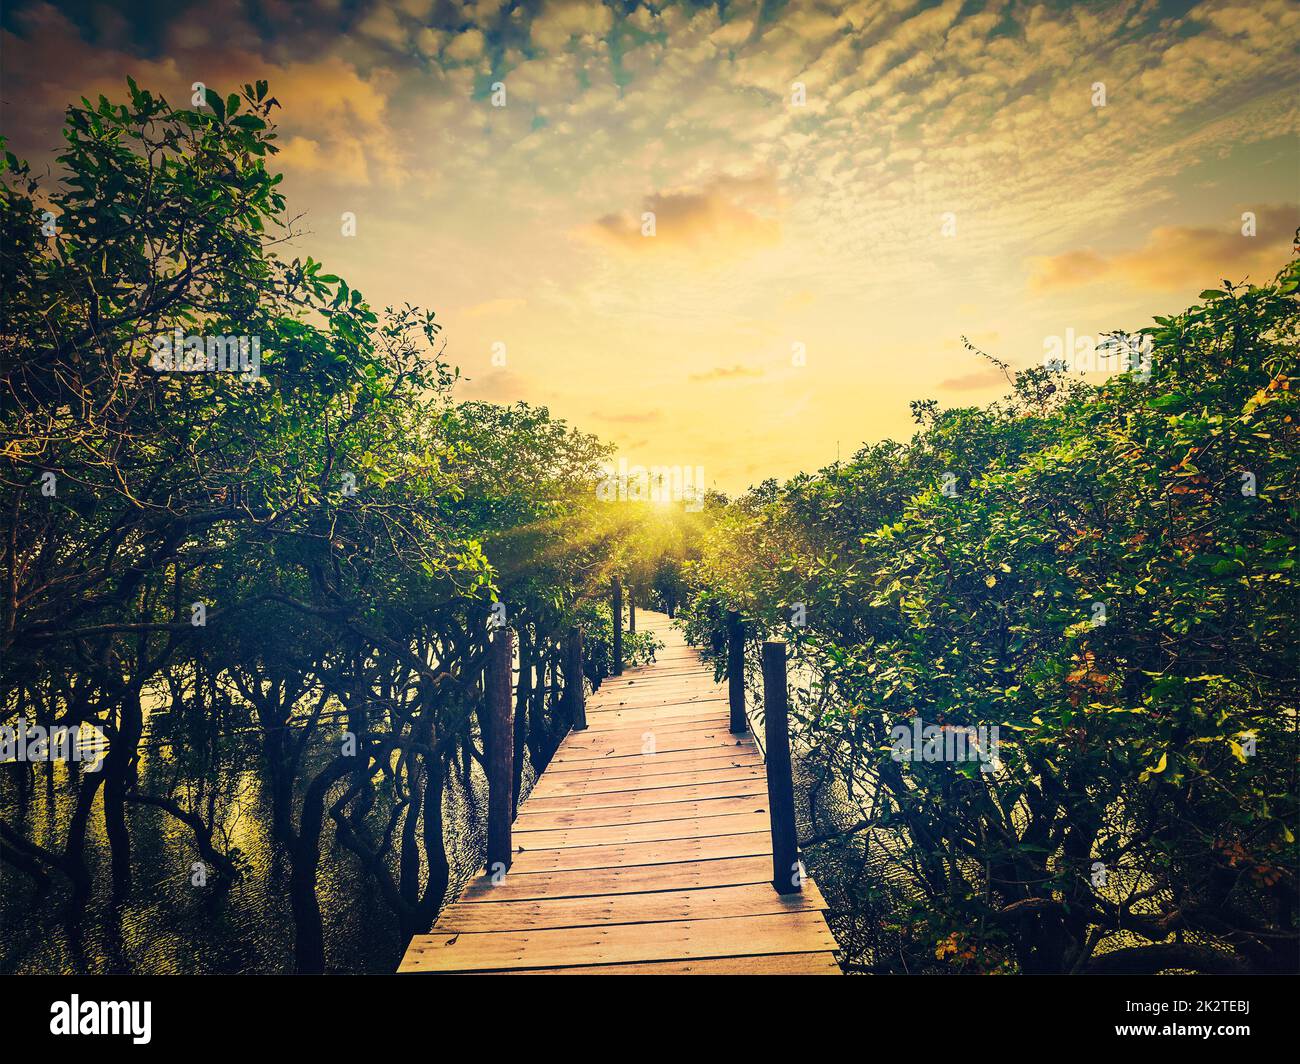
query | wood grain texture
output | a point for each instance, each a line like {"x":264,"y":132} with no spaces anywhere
{"x":791,"y":932}
{"x":618,"y":815}
{"x":782,"y":964}
{"x":653,"y":831}
{"x":737,"y":901}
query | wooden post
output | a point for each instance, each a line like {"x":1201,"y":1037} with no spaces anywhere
{"x":499,"y":742}
{"x":618,"y":627}
{"x":787,"y":877}
{"x":575,"y":683}
{"x":736,"y":672}
{"x":520,"y":740}
{"x":631,"y":609}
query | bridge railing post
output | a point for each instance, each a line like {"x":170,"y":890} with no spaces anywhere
{"x":575,"y":682}
{"x":736,"y":672}
{"x":787,"y":875}
{"x":618,"y":627}
{"x":499,"y":753}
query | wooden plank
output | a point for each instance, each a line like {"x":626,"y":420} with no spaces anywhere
{"x":653,"y":831}
{"x":516,"y":886}
{"x":657,"y":687}
{"x":679,"y":703}
{"x":669,"y":851}
{"x":657,"y":716}
{"x":653,"y":795}
{"x":710,"y":752}
{"x":658,"y":692}
{"x":755,"y":899}
{"x":678,"y":672}
{"x":770,"y":964}
{"x":663,"y":687}
{"x":652,"y":765}
{"x":548,"y":788}
{"x":686,"y":675}
{"x":796,"y":932}
{"x":666,"y":745}
{"x":682,"y":668}
{"x":668,"y":717}
{"x":683,"y":720}
{"x":684,"y":734}
{"x":598,"y":732}
{"x":670,"y":652}
{"x":648,"y":741}
{"x":609,"y":816}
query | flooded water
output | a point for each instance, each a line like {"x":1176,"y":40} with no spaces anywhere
{"x":171,"y":926}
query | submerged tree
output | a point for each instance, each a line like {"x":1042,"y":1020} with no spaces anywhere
{"x":246,"y":522}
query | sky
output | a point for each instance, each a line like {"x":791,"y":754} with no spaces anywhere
{"x":840,"y":191}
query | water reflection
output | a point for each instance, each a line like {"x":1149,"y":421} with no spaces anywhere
{"x":168,"y":925}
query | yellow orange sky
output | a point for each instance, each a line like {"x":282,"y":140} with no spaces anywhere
{"x":777,"y":224}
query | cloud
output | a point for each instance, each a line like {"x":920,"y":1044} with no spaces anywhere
{"x":469,"y":45}
{"x":726,"y":373}
{"x":382,"y":24}
{"x":560,"y":20}
{"x":976,"y":381}
{"x":1177,"y":256}
{"x":334,"y":123}
{"x":914,"y":109}
{"x":430,"y":41}
{"x":343,"y":162}
{"x":345,"y":113}
{"x":497,"y":386}
{"x":1067,"y":270}
{"x":726,"y":217}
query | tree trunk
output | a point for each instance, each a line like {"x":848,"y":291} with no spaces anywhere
{"x":117,"y":769}
{"x":309,"y":935}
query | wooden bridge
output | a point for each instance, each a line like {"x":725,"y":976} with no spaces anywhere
{"x":646,"y":847}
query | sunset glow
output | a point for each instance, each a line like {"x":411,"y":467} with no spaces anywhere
{"x":799,"y":289}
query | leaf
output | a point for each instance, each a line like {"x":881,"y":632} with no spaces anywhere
{"x":217,"y":104}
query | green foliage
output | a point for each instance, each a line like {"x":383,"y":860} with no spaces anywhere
{"x":1172,"y":503}
{"x":346,"y":523}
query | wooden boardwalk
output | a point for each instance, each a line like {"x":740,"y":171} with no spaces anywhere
{"x":644,"y":848}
